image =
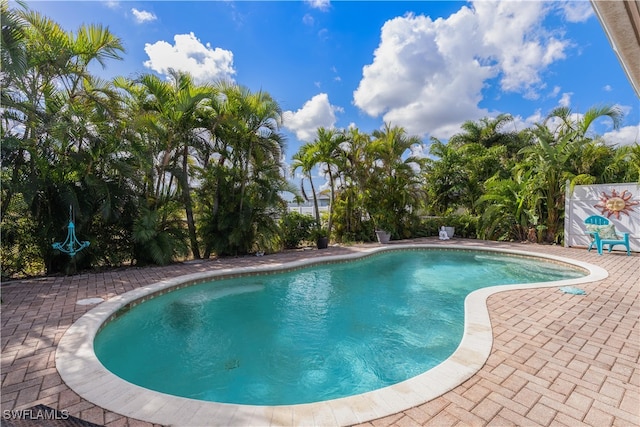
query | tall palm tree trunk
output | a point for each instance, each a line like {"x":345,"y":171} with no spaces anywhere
{"x":188,"y":205}
{"x":331,"y":201}
{"x":315,"y":201}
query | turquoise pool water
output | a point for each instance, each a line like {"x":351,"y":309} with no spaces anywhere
{"x":312,"y":334}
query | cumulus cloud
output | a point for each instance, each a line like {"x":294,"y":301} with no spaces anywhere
{"x":142,"y":16}
{"x":628,"y":135}
{"x":520,"y":48}
{"x":188,"y":54}
{"x":428,"y":75}
{"x":316,"y":112}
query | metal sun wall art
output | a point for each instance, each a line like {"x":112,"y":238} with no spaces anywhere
{"x":614,"y":204}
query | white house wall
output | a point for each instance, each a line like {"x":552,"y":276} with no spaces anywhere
{"x":307,"y":210}
{"x":581,"y":203}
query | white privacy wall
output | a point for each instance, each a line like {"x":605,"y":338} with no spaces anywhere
{"x":581,"y":203}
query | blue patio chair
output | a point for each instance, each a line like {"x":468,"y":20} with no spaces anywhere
{"x":603,"y":233}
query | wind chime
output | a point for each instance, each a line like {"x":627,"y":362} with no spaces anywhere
{"x":71,"y":246}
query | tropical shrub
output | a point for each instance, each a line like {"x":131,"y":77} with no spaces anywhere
{"x":18,"y":247}
{"x":159,"y":235}
{"x":466,"y":225}
{"x":160,"y":169}
{"x":296,"y":228}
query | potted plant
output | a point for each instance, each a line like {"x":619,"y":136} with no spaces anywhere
{"x":321,"y":236}
{"x":450,"y":231}
{"x":384,"y":228}
{"x":383,"y":236}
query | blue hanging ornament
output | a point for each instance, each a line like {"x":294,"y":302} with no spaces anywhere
{"x":71,"y":246}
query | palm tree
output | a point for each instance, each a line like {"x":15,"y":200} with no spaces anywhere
{"x":328,"y":149}
{"x":579,"y":127}
{"x":354,"y":170}
{"x":482,"y":150}
{"x":171,"y":110}
{"x":50,"y":97}
{"x":505,"y":213}
{"x":13,"y":49}
{"x":633,"y":159}
{"x":446,"y":177}
{"x":306,"y":159}
{"x":13,"y":57}
{"x":394,"y":189}
{"x":249,"y":147}
{"x":549,"y":161}
{"x":489,"y":132}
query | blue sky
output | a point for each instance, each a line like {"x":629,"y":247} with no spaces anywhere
{"x":425,"y":65}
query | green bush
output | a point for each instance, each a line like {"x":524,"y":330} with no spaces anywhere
{"x":465,"y":225}
{"x":295,"y":228}
{"x":19,"y":252}
{"x":429,"y":226}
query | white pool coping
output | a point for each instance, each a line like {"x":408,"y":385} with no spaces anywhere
{"x":81,"y":370}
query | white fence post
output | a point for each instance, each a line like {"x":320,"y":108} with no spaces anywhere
{"x":567,"y":212}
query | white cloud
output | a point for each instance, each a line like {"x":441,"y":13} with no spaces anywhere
{"x":142,"y":16}
{"x":513,"y":38}
{"x":319,"y":4}
{"x":419,"y":151}
{"x":323,"y":34}
{"x":428,"y":75}
{"x":188,"y":54}
{"x":308,"y":20}
{"x":607,"y":88}
{"x":112,"y":4}
{"x":337,"y":77}
{"x":519,"y":123}
{"x":626,"y":109}
{"x":628,"y":135}
{"x":565,"y":100}
{"x":576,"y":11}
{"x":316,"y":112}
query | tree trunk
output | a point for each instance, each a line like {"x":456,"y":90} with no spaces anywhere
{"x":331,"y":201}
{"x":14,"y":181}
{"x":315,"y":201}
{"x":188,"y":206}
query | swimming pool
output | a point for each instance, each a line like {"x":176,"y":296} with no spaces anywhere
{"x":466,"y":358}
{"x":319,"y":333}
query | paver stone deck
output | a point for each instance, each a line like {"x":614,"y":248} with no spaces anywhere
{"x":557,"y":359}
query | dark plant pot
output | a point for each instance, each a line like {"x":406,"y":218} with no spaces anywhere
{"x":322,"y":242}
{"x":383,"y":236}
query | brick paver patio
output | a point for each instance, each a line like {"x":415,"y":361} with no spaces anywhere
{"x":557,"y":359}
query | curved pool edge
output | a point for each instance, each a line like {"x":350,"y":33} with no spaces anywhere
{"x":81,"y":370}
